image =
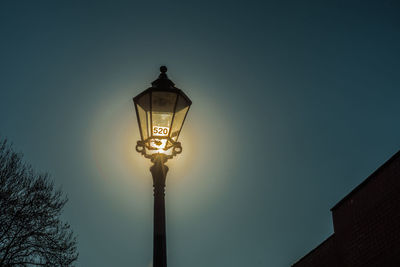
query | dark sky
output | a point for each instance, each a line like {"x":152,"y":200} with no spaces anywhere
{"x":294,"y":104}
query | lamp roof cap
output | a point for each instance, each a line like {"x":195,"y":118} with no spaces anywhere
{"x":163,"y":81}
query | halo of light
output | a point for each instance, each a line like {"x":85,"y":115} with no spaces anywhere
{"x":123,"y":174}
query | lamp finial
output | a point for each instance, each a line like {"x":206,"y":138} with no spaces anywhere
{"x":163,"y":69}
{"x":163,"y":80}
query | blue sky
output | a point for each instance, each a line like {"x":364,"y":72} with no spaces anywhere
{"x":294,"y":104}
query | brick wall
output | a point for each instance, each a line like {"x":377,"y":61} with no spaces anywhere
{"x":366,"y":224}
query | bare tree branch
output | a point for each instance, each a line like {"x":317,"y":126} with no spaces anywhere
{"x":31,"y":232}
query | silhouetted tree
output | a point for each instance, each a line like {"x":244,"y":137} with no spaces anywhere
{"x":31,"y":232}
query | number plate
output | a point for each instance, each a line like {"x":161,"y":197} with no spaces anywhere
{"x":160,"y":131}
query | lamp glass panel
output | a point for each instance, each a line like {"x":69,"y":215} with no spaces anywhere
{"x":143,"y":122}
{"x":148,"y":120}
{"x":182,"y":108}
{"x":143,"y":108}
{"x":161,"y":123}
{"x":163,"y":104}
{"x":144,"y":101}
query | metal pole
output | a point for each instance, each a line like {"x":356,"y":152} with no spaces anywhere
{"x":159,"y":172}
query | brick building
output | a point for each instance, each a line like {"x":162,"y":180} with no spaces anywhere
{"x":366,"y":224}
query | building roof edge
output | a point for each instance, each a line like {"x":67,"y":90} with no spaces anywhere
{"x":369,"y":178}
{"x":314,"y":249}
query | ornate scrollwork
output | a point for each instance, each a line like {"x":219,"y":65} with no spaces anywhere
{"x":171,"y":152}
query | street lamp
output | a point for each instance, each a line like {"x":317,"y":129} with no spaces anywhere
{"x":161,"y":111}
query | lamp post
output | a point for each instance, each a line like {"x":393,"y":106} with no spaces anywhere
{"x":161,"y":111}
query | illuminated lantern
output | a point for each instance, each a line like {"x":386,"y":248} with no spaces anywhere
{"x":161,"y":111}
